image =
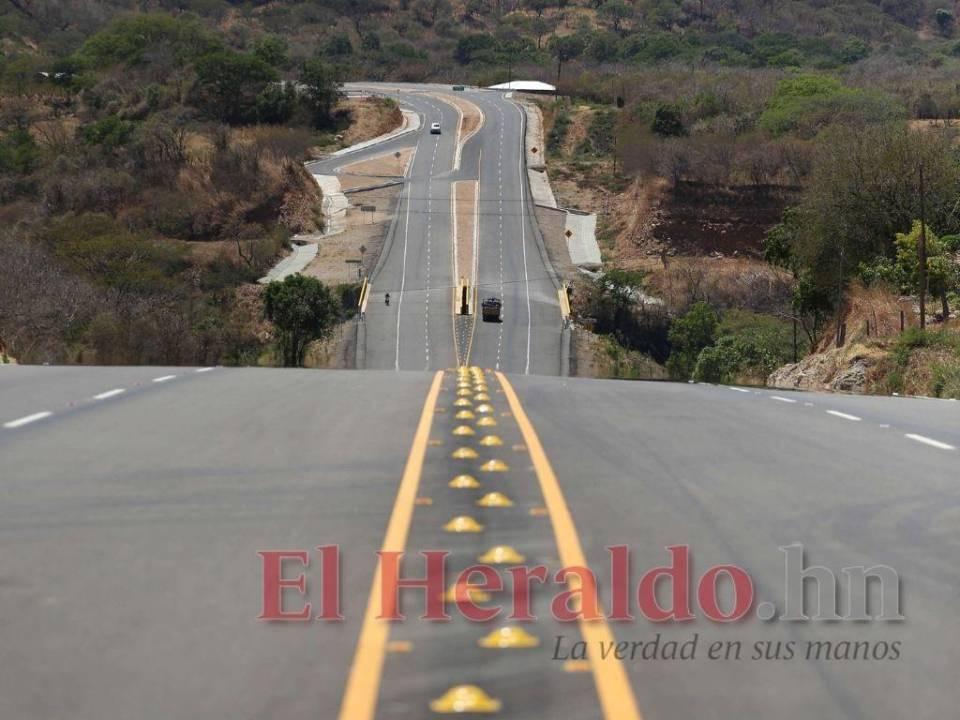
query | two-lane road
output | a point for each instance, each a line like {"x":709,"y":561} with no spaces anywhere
{"x":416,"y":331}
{"x":130,"y":583}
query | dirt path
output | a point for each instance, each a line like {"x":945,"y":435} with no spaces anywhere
{"x":375,"y":170}
{"x":364,"y":228}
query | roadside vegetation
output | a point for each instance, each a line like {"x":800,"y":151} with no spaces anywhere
{"x":756,"y":163}
{"x":150,"y":172}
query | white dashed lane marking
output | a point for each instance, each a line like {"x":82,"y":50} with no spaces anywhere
{"x":163,"y":378}
{"x":778,"y":398}
{"x":843,"y":415}
{"x":20,"y":422}
{"x":930,"y":441}
{"x":109,"y":394}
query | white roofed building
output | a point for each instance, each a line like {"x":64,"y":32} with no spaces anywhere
{"x":530,"y":86}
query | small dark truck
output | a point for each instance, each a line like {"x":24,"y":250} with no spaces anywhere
{"x":490,"y":309}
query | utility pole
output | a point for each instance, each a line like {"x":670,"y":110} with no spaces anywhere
{"x":922,"y":251}
{"x":840,"y":302}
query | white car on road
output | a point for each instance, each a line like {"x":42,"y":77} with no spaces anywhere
{"x":435,"y":128}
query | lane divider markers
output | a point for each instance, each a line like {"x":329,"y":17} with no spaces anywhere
{"x":778,"y":398}
{"x":20,"y":422}
{"x":163,"y":378}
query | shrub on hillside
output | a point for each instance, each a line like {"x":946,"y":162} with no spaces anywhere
{"x":302,"y":310}
{"x":806,"y":103}
{"x":689,"y":335}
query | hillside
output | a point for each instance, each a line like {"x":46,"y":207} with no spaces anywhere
{"x":717,"y":140}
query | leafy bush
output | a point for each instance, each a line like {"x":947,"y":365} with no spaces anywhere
{"x":19,"y":152}
{"x":654,"y":48}
{"x":750,"y":345}
{"x":806,"y":103}
{"x":558,"y":133}
{"x":230,"y":83}
{"x":109,"y":133}
{"x":131,"y":39}
{"x":668,"y":122}
{"x":302,"y":309}
{"x":478,"y":47}
{"x":600,"y":134}
{"x":689,"y":335}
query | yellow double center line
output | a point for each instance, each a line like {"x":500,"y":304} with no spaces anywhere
{"x":363,"y":685}
{"x":613,"y":686}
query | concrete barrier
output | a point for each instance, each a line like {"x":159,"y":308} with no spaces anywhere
{"x":581,"y":236}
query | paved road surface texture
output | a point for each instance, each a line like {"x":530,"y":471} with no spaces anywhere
{"x":135,"y":502}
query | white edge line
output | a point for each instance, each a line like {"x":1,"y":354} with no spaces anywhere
{"x":403,"y":272}
{"x":930,"y":441}
{"x":476,"y":221}
{"x":523,"y":230}
{"x":109,"y":394}
{"x":26,"y":420}
{"x":163,"y":378}
{"x":845,"y":416}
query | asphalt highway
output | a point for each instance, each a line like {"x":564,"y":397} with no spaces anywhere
{"x":130,"y":526}
{"x":416,"y":332}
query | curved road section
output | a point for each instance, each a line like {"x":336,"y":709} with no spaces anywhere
{"x":417,"y":330}
{"x":140,"y":507}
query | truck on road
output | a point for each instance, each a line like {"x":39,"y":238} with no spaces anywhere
{"x":490,"y":309}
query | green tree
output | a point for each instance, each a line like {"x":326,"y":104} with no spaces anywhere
{"x":614,"y":12}
{"x":229,"y":84}
{"x":302,"y":310}
{"x":804,"y":104}
{"x":19,"y":152}
{"x":109,"y":133}
{"x":750,"y":346}
{"x":941,"y":268}
{"x":668,"y":122}
{"x":276,"y":104}
{"x":320,"y":91}
{"x":688,"y":335}
{"x":478,"y":47}
{"x":863,"y":190}
{"x":564,"y":48}
{"x":339,"y":45}
{"x":944,"y":19}
{"x":273,"y":50}
{"x":133,"y":39}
